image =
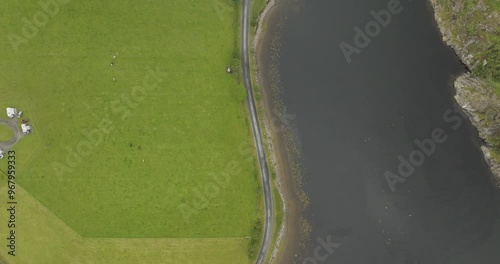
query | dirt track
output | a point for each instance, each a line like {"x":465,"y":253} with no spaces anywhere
{"x":12,"y":124}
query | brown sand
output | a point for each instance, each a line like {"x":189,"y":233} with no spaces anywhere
{"x":284,"y":151}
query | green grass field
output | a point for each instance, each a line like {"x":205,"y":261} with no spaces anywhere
{"x":45,"y":239}
{"x":147,"y":159}
{"x":5,"y":133}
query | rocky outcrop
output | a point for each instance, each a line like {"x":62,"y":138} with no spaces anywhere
{"x":481,"y":104}
{"x":471,"y":28}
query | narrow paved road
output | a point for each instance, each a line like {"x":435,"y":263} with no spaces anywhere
{"x":264,"y":170}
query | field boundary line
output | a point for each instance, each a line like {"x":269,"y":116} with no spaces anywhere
{"x":164,"y":239}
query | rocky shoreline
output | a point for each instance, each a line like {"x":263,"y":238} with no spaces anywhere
{"x":475,"y":94}
{"x":280,"y":138}
{"x":257,"y":37}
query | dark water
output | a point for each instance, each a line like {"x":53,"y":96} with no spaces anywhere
{"x":354,"y":120}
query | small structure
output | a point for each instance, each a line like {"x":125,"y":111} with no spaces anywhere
{"x":229,"y":70}
{"x":11,"y":112}
{"x":20,"y":114}
{"x":25,"y":121}
{"x":26,"y":128}
{"x":2,"y":153}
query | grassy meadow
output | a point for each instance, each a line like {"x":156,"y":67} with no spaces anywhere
{"x":141,"y":150}
{"x":5,"y":133}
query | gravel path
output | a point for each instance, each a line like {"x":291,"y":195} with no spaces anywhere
{"x":18,"y":134}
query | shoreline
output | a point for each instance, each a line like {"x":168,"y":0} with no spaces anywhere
{"x":470,"y":92}
{"x":269,"y":135}
{"x":291,"y":234}
{"x":288,"y":238}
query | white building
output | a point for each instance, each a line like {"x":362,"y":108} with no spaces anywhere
{"x":2,"y":153}
{"x":26,"y":128}
{"x":11,"y":112}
